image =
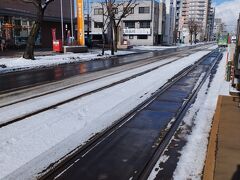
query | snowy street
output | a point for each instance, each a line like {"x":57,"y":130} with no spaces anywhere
{"x":34,"y":135}
{"x":119,"y":90}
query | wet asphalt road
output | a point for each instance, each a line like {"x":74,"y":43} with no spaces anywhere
{"x":27,"y":78}
{"x":177,"y":144}
{"x":125,"y":153}
{"x":20,"y":79}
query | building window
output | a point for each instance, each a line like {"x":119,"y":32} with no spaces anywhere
{"x":98,"y":11}
{"x":24,"y":22}
{"x":144,"y":24}
{"x":142,"y":37}
{"x":115,"y":10}
{"x":131,"y":36}
{"x":98,"y":25}
{"x":144,"y":10}
{"x":130,"y":24}
{"x":17,"y":22}
{"x":130,"y":10}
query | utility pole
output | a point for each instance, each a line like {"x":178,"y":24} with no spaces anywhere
{"x":71,"y":4}
{"x":61,"y":4}
{"x":88,"y":23}
{"x":110,"y":11}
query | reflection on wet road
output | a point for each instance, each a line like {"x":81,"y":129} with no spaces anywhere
{"x":20,"y":79}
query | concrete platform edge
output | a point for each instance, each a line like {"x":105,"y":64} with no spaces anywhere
{"x":209,"y":168}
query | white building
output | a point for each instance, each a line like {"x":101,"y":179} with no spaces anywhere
{"x":170,"y":22}
{"x":143,"y":26}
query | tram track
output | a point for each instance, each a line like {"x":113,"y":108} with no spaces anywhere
{"x":79,"y":154}
{"x":23,"y":115}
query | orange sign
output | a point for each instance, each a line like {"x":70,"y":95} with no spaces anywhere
{"x":80,"y":23}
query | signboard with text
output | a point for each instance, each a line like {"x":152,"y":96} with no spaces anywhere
{"x":139,"y":31}
{"x":80,"y":23}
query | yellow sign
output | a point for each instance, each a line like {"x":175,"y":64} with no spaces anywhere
{"x":80,"y":23}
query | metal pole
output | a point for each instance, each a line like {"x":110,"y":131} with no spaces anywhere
{"x":88,"y":21}
{"x":61,"y":4}
{"x":80,"y":23}
{"x":71,"y":4}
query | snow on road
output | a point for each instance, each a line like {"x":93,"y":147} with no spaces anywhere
{"x":30,"y":145}
{"x":200,"y":114}
{"x":191,"y":162}
{"x":35,"y":104}
{"x":159,"y":48}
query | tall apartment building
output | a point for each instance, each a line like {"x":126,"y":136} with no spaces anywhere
{"x":202,"y":12}
{"x":218,"y":28}
{"x":170,"y":22}
{"x":218,"y":25}
{"x":143,"y":26}
{"x":178,"y":20}
{"x":16,"y":19}
{"x":162,"y":22}
{"x":210,"y":24}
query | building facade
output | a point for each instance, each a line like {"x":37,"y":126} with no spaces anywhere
{"x":17,"y":17}
{"x":219,"y":28}
{"x":178,"y":20}
{"x":210,"y":24}
{"x":170,"y":22}
{"x":203,"y":14}
{"x":143,"y":26}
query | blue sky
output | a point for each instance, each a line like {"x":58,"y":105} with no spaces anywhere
{"x":229,"y":11}
{"x":219,"y":1}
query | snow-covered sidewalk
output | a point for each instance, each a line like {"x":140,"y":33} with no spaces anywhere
{"x":10,"y":64}
{"x":16,"y":64}
{"x":30,"y":145}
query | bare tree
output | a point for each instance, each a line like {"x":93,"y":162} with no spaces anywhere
{"x":124,"y":9}
{"x":191,"y":24}
{"x":104,"y":26}
{"x":196,"y":30}
{"x":40,"y":6}
{"x":116,"y":11}
{"x":109,"y":6}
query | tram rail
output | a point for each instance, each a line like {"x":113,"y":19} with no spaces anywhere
{"x":20,"y":87}
{"x":23,"y":115}
{"x":84,"y":155}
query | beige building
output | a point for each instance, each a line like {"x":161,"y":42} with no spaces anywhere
{"x":201,"y":12}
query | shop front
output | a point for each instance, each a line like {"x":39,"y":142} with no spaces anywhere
{"x":15,"y":31}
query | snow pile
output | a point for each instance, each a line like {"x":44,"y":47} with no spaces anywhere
{"x":213,"y":47}
{"x":153,"y":48}
{"x":26,"y":107}
{"x":156,"y":168}
{"x":8,"y":64}
{"x":191,"y":162}
{"x":159,"y":48}
{"x":30,"y":145}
